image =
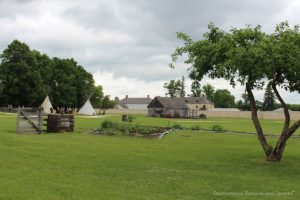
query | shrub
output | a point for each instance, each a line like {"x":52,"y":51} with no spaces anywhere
{"x":107,"y":124}
{"x":178,"y":126}
{"x":130,"y":118}
{"x":202,"y":116}
{"x":109,"y":127}
{"x":217,"y":127}
{"x":195,"y":127}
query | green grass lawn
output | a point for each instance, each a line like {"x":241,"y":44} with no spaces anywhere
{"x":183,"y":165}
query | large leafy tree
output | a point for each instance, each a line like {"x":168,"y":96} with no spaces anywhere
{"x":253,"y":59}
{"x":173,"y":88}
{"x":84,"y":85}
{"x":27,"y":76}
{"x":63,"y":89}
{"x":72,"y":85}
{"x":97,"y":96}
{"x":244,"y":103}
{"x":19,"y":75}
{"x":107,"y":103}
{"x":224,"y":99}
{"x":182,"y":87}
{"x":44,"y":65}
{"x":209,"y":91}
{"x":196,"y":89}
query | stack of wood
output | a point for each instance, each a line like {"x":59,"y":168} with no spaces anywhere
{"x":57,"y":123}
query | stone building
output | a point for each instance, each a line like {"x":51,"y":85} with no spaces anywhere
{"x":184,"y":107}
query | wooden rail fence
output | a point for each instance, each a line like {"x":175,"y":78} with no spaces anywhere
{"x":29,"y":120}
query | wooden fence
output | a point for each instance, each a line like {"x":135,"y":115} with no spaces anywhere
{"x":29,"y":120}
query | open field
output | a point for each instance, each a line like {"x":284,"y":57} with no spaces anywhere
{"x":183,"y":165}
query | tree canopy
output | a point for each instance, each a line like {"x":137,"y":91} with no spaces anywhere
{"x":252,"y":58}
{"x":209,"y":91}
{"x":27,"y":76}
{"x":224,"y":99}
{"x":175,"y":88}
{"x":19,"y":75}
{"x":196,"y":89}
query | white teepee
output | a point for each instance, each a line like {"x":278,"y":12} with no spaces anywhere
{"x":46,"y":105}
{"x":87,"y":109}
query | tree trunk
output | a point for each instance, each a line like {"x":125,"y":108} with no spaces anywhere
{"x":277,"y":152}
{"x":287,"y":131}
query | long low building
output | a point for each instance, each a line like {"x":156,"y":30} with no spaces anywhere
{"x":134,"y":103}
{"x":178,"y":106}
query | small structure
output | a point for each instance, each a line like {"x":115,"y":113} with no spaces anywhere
{"x":47,"y":106}
{"x":185,"y":107}
{"x":87,"y":109}
{"x":134,"y":103}
{"x":57,"y":123}
{"x":29,"y":120}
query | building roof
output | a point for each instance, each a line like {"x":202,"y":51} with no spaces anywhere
{"x":136,"y":100}
{"x":178,"y":102}
{"x":123,"y":102}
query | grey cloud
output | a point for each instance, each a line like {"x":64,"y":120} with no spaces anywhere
{"x":128,"y":38}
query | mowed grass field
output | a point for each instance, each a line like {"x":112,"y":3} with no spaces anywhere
{"x":183,"y":165}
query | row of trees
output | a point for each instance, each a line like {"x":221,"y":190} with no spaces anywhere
{"x":27,"y":76}
{"x":222,"y":98}
{"x":175,"y":88}
{"x":254,"y":59}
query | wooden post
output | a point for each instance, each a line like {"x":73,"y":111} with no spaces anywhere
{"x":40,"y":118}
{"x":18,"y":121}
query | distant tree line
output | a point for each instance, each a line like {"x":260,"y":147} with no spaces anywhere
{"x":27,"y":76}
{"x":222,"y":98}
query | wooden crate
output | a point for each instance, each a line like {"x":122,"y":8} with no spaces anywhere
{"x":57,"y":123}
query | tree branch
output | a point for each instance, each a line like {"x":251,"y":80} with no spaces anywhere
{"x":285,"y":108}
{"x":263,"y":141}
{"x":293,"y":128}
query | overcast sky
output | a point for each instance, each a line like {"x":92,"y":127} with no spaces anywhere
{"x":126,"y":44}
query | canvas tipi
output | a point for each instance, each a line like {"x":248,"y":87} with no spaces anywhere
{"x":46,"y":105}
{"x":87,"y":109}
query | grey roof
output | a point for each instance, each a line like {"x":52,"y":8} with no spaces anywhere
{"x":136,"y":101}
{"x":122,"y":104}
{"x":181,"y":102}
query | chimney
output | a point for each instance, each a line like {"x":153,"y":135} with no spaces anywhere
{"x":148,"y":96}
{"x":126,"y":96}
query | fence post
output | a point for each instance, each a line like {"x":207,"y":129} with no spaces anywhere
{"x":18,"y":120}
{"x":40,"y":117}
